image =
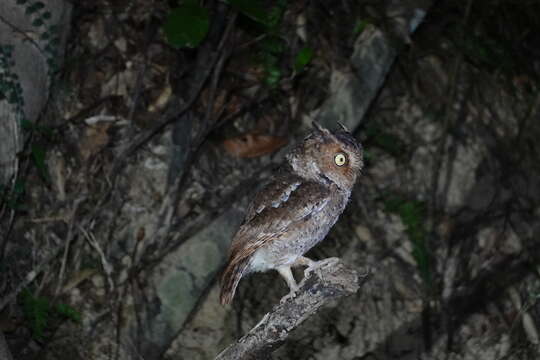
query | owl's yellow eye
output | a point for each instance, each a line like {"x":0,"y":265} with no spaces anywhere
{"x":340,"y":159}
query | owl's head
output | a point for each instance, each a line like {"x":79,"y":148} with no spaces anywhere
{"x":328,"y":157}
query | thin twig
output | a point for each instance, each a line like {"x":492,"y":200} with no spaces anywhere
{"x":69,"y":238}
{"x":167,"y":210}
{"x":107,"y":267}
{"x":23,"y":34}
{"x":147,"y":136}
{"x":138,"y":88}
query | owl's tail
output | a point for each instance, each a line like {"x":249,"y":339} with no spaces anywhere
{"x":230,"y":279}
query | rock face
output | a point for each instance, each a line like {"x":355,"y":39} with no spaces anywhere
{"x":27,"y":61}
{"x":182,"y":277}
{"x":457,"y":179}
{"x":445,"y":215}
{"x":351,"y":94}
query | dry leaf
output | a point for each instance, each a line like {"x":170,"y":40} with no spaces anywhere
{"x":78,"y":277}
{"x":252,"y":145}
{"x":163,"y":98}
{"x":94,"y":140}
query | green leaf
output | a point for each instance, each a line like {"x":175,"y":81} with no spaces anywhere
{"x":37,"y":22}
{"x":31,"y":9}
{"x":272,"y":45}
{"x":27,"y":125}
{"x":275,"y":14}
{"x":55,"y":41}
{"x":53,"y":64}
{"x":252,"y":9}
{"x":303,"y":58}
{"x":7,"y":50}
{"x":273,"y":75}
{"x":54,"y":29}
{"x":359,"y":27}
{"x":13,"y":98}
{"x":187,"y":25}
{"x":16,"y":197}
{"x":39,"y":311}
{"x":38,"y":157}
{"x":68,"y":312}
{"x":412,"y":214}
{"x":36,"y":312}
{"x":19,"y":187}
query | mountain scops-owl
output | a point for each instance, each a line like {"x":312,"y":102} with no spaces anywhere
{"x":296,"y":209}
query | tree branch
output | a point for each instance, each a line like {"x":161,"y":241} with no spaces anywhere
{"x":323,"y":285}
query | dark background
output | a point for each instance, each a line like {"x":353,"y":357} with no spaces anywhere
{"x":138,"y":158}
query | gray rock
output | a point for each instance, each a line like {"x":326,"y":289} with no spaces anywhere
{"x":182,"y":278}
{"x":353,"y":91}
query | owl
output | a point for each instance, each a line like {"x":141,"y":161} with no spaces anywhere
{"x":295,"y":210}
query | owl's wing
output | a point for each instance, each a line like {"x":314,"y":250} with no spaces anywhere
{"x":273,"y":195}
{"x":279,"y":207}
{"x":276,"y":209}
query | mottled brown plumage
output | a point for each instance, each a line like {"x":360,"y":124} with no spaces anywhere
{"x":295,"y":210}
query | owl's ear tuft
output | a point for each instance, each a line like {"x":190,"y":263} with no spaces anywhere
{"x":319,"y":128}
{"x":343,"y":127}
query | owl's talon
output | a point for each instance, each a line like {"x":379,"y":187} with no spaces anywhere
{"x":290,"y":295}
{"x":320,"y":264}
{"x":328,"y":262}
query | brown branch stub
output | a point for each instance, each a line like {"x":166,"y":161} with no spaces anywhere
{"x":319,"y":288}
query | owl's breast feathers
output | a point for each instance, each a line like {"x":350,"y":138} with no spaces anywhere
{"x":281,"y":207}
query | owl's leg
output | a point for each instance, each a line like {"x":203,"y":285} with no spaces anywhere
{"x":285,"y":271}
